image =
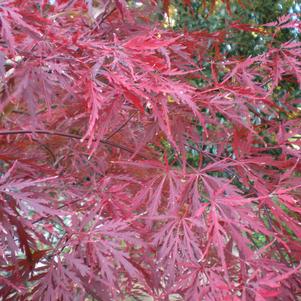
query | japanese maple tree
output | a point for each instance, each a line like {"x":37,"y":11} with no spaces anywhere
{"x":138,"y":161}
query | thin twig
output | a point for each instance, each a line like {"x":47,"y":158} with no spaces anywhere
{"x":49,"y":151}
{"x":270,"y":227}
{"x":122,"y":126}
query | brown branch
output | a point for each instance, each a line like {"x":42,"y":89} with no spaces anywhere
{"x":105,"y":16}
{"x":73,"y":136}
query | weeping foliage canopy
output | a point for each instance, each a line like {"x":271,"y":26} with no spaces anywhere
{"x":150,"y":150}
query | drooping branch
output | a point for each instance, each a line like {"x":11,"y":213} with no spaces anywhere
{"x":67,"y":135}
